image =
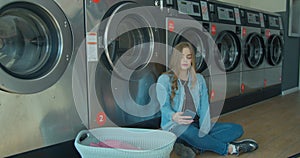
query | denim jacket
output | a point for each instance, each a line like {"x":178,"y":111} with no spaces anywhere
{"x":199,"y":95}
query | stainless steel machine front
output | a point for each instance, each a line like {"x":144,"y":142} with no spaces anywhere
{"x":225,"y":30}
{"x":38,"y":44}
{"x":274,"y":49}
{"x":254,"y":51}
{"x":189,"y":21}
{"x":124,"y":61}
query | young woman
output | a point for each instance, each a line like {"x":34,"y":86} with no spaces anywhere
{"x":182,"y":89}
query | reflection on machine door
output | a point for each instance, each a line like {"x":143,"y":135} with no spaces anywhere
{"x":229,"y":49}
{"x":35,"y":46}
{"x":127,"y":44}
{"x":21,"y":35}
{"x":254,"y":50}
{"x":275,"y":50}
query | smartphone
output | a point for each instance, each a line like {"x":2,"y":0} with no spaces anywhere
{"x":189,"y":112}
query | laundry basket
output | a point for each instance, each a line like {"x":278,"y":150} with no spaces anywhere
{"x":148,"y":143}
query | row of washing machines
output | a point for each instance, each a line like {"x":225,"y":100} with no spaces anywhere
{"x":68,"y":65}
{"x":238,"y":51}
{"x":247,"y":45}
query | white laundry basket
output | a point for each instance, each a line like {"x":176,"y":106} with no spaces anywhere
{"x":150,"y":143}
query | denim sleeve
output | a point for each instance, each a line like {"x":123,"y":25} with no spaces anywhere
{"x":163,"y":96}
{"x":205,"y":122}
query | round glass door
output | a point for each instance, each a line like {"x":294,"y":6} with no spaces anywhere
{"x":275,"y":49}
{"x":254,"y":50}
{"x":32,"y":46}
{"x":196,"y":38}
{"x":128,"y":40}
{"x":229,"y":51}
{"x":24,"y":44}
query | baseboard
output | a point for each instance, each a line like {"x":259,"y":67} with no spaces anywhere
{"x":61,"y":150}
{"x":289,"y":91}
{"x":241,"y":101}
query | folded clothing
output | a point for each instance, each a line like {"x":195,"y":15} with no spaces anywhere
{"x":114,"y":144}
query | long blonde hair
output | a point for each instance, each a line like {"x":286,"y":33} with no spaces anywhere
{"x":175,"y":66}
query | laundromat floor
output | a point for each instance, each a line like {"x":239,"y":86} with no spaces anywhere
{"x":273,"y":123}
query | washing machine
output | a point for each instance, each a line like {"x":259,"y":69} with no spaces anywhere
{"x":253,"y":50}
{"x":225,"y":29}
{"x":38,"y":44}
{"x":124,"y":59}
{"x":274,"y":49}
{"x":187,"y":21}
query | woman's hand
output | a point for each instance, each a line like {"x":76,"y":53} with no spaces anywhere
{"x":182,"y":120}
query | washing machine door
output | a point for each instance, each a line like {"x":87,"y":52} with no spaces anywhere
{"x":199,"y":41}
{"x":254,"y":50}
{"x":35,"y":45}
{"x":229,"y":48}
{"x":128,"y":38}
{"x":275,"y":49}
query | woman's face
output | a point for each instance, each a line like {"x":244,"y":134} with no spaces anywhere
{"x":186,"y":60}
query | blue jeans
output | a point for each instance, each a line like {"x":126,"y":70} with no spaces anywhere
{"x":217,"y":140}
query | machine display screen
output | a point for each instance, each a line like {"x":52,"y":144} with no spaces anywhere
{"x":196,"y":8}
{"x":274,"y":21}
{"x":225,"y":14}
{"x":253,"y":18}
{"x":188,"y":7}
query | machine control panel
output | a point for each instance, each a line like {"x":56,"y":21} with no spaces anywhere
{"x":169,"y":2}
{"x":253,"y":18}
{"x":274,"y":21}
{"x":189,"y":7}
{"x":225,"y":14}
